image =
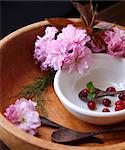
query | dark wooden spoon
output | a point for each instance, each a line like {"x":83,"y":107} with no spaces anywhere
{"x":48,"y":123}
{"x":65,"y":135}
{"x":101,"y":93}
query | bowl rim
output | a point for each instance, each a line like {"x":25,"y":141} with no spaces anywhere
{"x":76,"y":108}
{"x":21,"y":135}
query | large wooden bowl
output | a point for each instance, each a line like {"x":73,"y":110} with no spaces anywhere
{"x":17,"y":69}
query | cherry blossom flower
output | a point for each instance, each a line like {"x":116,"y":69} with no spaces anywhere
{"x":41,"y":44}
{"x":115,"y":40}
{"x":23,"y":115}
{"x":50,"y":33}
{"x":71,"y":57}
{"x":79,"y":59}
{"x":40,"y":48}
{"x":54,"y":53}
{"x":72,"y":35}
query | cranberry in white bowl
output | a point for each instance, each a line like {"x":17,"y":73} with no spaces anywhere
{"x":106,"y":71}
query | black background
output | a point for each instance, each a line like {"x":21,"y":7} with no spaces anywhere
{"x":16,"y":14}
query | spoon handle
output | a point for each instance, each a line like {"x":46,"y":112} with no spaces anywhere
{"x":49,"y":123}
{"x":103,"y":93}
{"x":109,"y":130}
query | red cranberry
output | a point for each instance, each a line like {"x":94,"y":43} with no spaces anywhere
{"x":123,"y":105}
{"x":91,"y":105}
{"x":85,"y":92}
{"x":111,"y":89}
{"x":122,"y":96}
{"x":119,"y":102}
{"x":119,"y":107}
{"x":105,"y":110}
{"x":106,"y":102}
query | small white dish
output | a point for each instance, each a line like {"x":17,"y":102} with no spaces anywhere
{"x":106,"y":71}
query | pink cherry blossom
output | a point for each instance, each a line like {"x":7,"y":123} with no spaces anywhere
{"x":11,"y":114}
{"x":71,"y":57}
{"x":115,"y":40}
{"x":24,"y":115}
{"x":50,"y":33}
{"x":80,"y":60}
{"x":40,"y":48}
{"x":72,"y":35}
{"x":54,"y":53}
{"x":41,"y":44}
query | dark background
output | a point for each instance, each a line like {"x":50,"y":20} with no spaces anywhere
{"x":16,"y":14}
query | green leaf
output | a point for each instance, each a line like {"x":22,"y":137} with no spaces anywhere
{"x":91,"y":96}
{"x":90,"y":87}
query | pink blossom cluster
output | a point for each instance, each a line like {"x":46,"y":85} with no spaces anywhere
{"x":115,"y":40}
{"x":64,"y":50}
{"x":23,"y":115}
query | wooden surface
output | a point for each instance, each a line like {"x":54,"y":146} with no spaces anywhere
{"x":17,"y":69}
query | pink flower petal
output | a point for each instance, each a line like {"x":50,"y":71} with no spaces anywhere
{"x":23,"y":114}
{"x":115,"y":40}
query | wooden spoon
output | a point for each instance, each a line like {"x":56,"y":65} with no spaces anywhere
{"x":65,"y":135}
{"x":46,"y":122}
{"x":101,"y":93}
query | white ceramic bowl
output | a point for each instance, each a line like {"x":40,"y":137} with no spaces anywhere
{"x":106,"y":71}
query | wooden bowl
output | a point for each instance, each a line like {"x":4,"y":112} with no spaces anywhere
{"x":17,"y":69}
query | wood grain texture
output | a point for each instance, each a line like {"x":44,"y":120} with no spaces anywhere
{"x":17,"y":69}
